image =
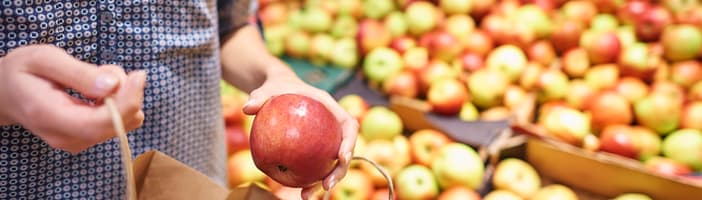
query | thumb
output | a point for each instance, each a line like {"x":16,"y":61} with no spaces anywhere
{"x":256,"y":100}
{"x":67,"y":71}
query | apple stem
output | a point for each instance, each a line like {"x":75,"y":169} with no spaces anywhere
{"x":391,"y":187}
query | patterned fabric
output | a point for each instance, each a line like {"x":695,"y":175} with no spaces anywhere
{"x":175,"y":41}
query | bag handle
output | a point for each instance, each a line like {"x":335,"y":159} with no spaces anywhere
{"x":124,"y":148}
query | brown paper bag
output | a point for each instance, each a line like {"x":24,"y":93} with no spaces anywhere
{"x":159,"y":176}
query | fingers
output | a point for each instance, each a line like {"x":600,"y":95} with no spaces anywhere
{"x":337,"y":174}
{"x":55,"y":64}
{"x":256,"y":99}
{"x":308,"y":192}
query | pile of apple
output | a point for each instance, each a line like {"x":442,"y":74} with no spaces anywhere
{"x":623,"y":77}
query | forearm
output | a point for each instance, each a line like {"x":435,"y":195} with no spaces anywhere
{"x":246,"y":63}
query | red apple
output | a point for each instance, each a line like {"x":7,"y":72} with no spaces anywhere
{"x":401,"y":84}
{"x":542,"y":52}
{"x":686,"y":73}
{"x":386,"y":155}
{"x":241,"y":169}
{"x":566,"y":35}
{"x":575,"y":62}
{"x":372,"y":34}
{"x":236,"y":139}
{"x":232,"y":109}
{"x":444,"y":46}
{"x":530,"y":77}
{"x":695,"y":92}
{"x":471,"y":61}
{"x":495,"y":26}
{"x":481,"y":8}
{"x":636,"y":60}
{"x":609,"y":108}
{"x":273,"y":13}
{"x":652,"y":22}
{"x":424,"y":145}
{"x":620,"y":140}
{"x":602,"y":47}
{"x":667,"y":166}
{"x":446,"y":96}
{"x":356,"y":185}
{"x":691,"y":15}
{"x":382,"y":194}
{"x":355,"y":105}
{"x":692,"y":116}
{"x":479,"y":42}
{"x":290,"y":148}
{"x":402,"y":44}
{"x":631,"y":88}
{"x":632,"y":10}
{"x":459,"y":193}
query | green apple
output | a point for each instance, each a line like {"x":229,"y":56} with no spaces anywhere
{"x":381,"y":123}
{"x":460,"y":26}
{"x":553,"y":192}
{"x":275,"y":38}
{"x":297,"y":44}
{"x":636,"y":61}
{"x":344,"y":54}
{"x":456,"y":6}
{"x":632,"y":196}
{"x":356,"y":185}
{"x":627,"y":35}
{"x":535,"y":18}
{"x":350,"y":7}
{"x":295,"y":19}
{"x":502,"y":195}
{"x":344,"y":26}
{"x":508,"y":59}
{"x":416,"y":182}
{"x":458,"y":164}
{"x":396,"y":24}
{"x":648,"y":112}
{"x":377,"y":9}
{"x":315,"y":19}
{"x":567,"y":124}
{"x":486,"y":97}
{"x":602,"y":76}
{"x":321,"y":46}
{"x":681,"y":42}
{"x":468,"y":112}
{"x":517,"y":176}
{"x":241,"y":169}
{"x":421,"y":17}
{"x":685,"y":146}
{"x":604,"y":22}
{"x":553,"y":84}
{"x":381,"y":63}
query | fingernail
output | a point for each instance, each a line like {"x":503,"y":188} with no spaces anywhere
{"x":332,"y":182}
{"x":248,"y":103}
{"x":139,"y":77}
{"x":105,"y":82}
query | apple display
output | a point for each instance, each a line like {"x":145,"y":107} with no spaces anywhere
{"x":566,"y":35}
{"x":353,"y":8}
{"x":459,"y":193}
{"x":627,"y":35}
{"x":608,"y":108}
{"x":579,"y":94}
{"x":457,"y":164}
{"x":632,"y":10}
{"x":692,"y":115}
{"x":274,"y":13}
{"x":650,"y":25}
{"x":575,"y":62}
{"x":421,"y":17}
{"x":380,"y":123}
{"x":386,"y":154}
{"x":552,"y":85}
{"x":530,"y":77}
{"x":567,"y":124}
{"x":321,"y":45}
{"x":632,"y":196}
{"x":444,"y":46}
{"x":241,"y":169}
{"x":275,"y":38}
{"x":637,"y":61}
{"x":604,"y":22}
{"x":416,"y":182}
{"x":620,"y":140}
{"x":237,"y":139}
{"x":446,"y":96}
{"x":382,"y":194}
{"x":485,"y":97}
{"x":290,"y":148}
{"x":496,"y":113}
{"x":553,"y":192}
{"x":460,"y":26}
{"x":579,"y":11}
{"x":507,"y":59}
{"x":455,"y":6}
{"x":536,"y":19}
{"x":514,"y":97}
{"x":669,"y":89}
{"x":502,"y":195}
{"x":471,"y":62}
{"x":381,"y":63}
{"x":542,"y":52}
{"x":649,"y":142}
{"x":297,"y":44}
{"x":316,"y":19}
{"x":403,"y":84}
{"x":516,"y":176}
{"x":377,"y":9}
{"x":685,"y":146}
{"x":681,"y":42}
{"x":371,"y":35}
{"x":356,"y":185}
{"x":468,"y":112}
{"x":434,"y":71}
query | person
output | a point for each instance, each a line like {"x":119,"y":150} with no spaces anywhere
{"x":161,"y":61}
